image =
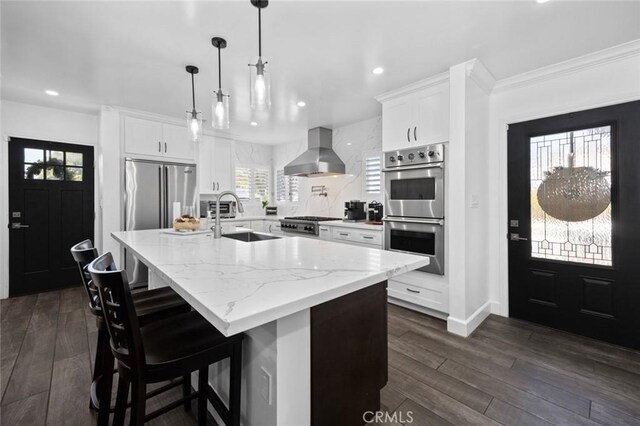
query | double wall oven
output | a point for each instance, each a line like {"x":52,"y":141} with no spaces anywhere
{"x":414,"y":195}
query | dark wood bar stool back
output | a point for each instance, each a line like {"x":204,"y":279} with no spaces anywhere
{"x":163,"y":350}
{"x":149,"y":306}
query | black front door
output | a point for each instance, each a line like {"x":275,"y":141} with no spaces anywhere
{"x":574,"y":222}
{"x":50,"y":209}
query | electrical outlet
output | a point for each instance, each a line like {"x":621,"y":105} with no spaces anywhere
{"x":265,"y":385}
{"x":475,"y":201}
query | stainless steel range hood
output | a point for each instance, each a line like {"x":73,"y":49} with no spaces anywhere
{"x":319,"y":159}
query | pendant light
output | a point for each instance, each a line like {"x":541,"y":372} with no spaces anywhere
{"x":574,"y":194}
{"x":220,"y":105}
{"x":194,"y":118}
{"x":259,"y":80}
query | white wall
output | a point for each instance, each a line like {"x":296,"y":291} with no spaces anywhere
{"x":37,"y":122}
{"x":603,"y":78}
{"x":350,"y":143}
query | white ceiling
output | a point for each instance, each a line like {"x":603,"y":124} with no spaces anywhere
{"x":133,"y":54}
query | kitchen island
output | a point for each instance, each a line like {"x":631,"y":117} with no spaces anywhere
{"x":311,"y":311}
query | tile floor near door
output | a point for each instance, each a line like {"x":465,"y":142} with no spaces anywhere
{"x":508,"y":371}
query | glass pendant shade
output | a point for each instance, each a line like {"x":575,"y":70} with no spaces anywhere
{"x":194,"y":124}
{"x":220,"y":110}
{"x":260,"y":85}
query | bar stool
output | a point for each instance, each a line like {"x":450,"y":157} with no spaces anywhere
{"x":151,"y":305}
{"x":163,"y":350}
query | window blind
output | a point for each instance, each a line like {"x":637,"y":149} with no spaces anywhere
{"x":252,"y":183}
{"x":287,"y":187}
{"x":372,"y":174}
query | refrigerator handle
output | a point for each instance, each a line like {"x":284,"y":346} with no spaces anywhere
{"x":167,"y":213}
{"x":161,"y":198}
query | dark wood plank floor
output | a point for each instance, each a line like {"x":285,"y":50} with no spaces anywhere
{"x":508,"y":372}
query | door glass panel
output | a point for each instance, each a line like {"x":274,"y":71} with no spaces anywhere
{"x":571,"y":196}
{"x":55,"y":173}
{"x":74,"y":159}
{"x":33,"y":171}
{"x":33,"y":155}
{"x":74,"y":174}
{"x":55,"y":157}
{"x":413,"y":189}
{"x":411,"y":241}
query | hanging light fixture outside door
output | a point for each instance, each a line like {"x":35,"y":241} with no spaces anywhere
{"x":259,"y":79}
{"x":194,"y":118}
{"x":220,"y":105}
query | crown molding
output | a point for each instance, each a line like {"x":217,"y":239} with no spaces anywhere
{"x":479,"y":74}
{"x":414,"y":87}
{"x":590,"y":60}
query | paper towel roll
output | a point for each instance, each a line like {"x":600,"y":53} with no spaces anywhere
{"x":176,"y":212}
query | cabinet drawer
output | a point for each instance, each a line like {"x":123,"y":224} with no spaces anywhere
{"x":343,"y":234}
{"x":428,"y":298}
{"x":369,"y":237}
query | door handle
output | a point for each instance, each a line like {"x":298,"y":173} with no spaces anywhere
{"x":408,"y":134}
{"x":415,"y":129}
{"x":516,"y":237}
{"x":18,"y":226}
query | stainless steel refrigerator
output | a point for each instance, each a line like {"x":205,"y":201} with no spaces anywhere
{"x":151,"y":188}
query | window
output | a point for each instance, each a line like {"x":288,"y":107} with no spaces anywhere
{"x":287,"y":187}
{"x":252,"y":183}
{"x":43,"y":164}
{"x":372,"y":163}
{"x":571,"y":196}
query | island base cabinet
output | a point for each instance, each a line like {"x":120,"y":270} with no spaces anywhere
{"x":348,"y":356}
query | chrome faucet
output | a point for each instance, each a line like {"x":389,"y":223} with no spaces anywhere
{"x":217,"y":228}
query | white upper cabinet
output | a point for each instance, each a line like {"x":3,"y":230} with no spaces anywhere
{"x":215,"y":165}
{"x":416,"y":115}
{"x":178,"y":143}
{"x":143,"y":137}
{"x":153,"y":138}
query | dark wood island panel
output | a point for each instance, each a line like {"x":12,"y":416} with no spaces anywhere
{"x":348,"y":356}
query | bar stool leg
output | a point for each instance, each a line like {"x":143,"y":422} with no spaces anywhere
{"x":203,"y":383}
{"x":105,"y":385}
{"x":235,"y":383}
{"x":186,"y":390}
{"x":121,"y":399}
{"x":138,"y":401}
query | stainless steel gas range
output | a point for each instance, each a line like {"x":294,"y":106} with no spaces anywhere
{"x":303,"y":225}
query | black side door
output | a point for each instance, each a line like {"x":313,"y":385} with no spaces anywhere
{"x":50,"y":209}
{"x":574,"y":222}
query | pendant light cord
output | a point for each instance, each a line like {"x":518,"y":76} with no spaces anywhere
{"x":219,"y":71}
{"x":193,"y":93}
{"x":259,"y":32}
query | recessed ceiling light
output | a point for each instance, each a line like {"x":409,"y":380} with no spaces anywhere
{"x":51,"y":92}
{"x":253,"y":123}
{"x":378,"y":70}
{"x":302,"y":104}
{"x":349,"y":143}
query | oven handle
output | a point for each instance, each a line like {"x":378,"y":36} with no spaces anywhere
{"x":412,"y":220}
{"x":419,"y":166}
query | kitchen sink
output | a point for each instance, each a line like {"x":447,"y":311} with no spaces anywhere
{"x":250,"y":237}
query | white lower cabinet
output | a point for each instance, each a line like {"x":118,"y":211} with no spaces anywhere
{"x":422,"y":289}
{"x":273,"y":227}
{"x":357,"y":236}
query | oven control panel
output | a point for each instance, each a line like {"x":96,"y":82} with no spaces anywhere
{"x":299,"y":227}
{"x":414,"y":156}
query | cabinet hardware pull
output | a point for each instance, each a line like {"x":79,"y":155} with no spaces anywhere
{"x":415,"y":138}
{"x":344,"y":235}
{"x":213,"y":186}
{"x":408,"y":134}
{"x":218,"y":187}
{"x":368,"y":237}
{"x":412,"y":290}
{"x":159,"y":146}
{"x":165,"y":147}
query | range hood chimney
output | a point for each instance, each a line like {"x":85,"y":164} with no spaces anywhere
{"x":319,"y":159}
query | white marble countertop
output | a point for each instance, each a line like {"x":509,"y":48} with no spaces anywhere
{"x":241,"y":218}
{"x":356,"y":225}
{"x":238,"y":285}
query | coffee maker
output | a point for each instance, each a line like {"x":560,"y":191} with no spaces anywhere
{"x":354,"y":211}
{"x":375,"y":212}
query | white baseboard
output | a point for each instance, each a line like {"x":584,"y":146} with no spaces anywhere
{"x":465,"y":327}
{"x":498,"y":308}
